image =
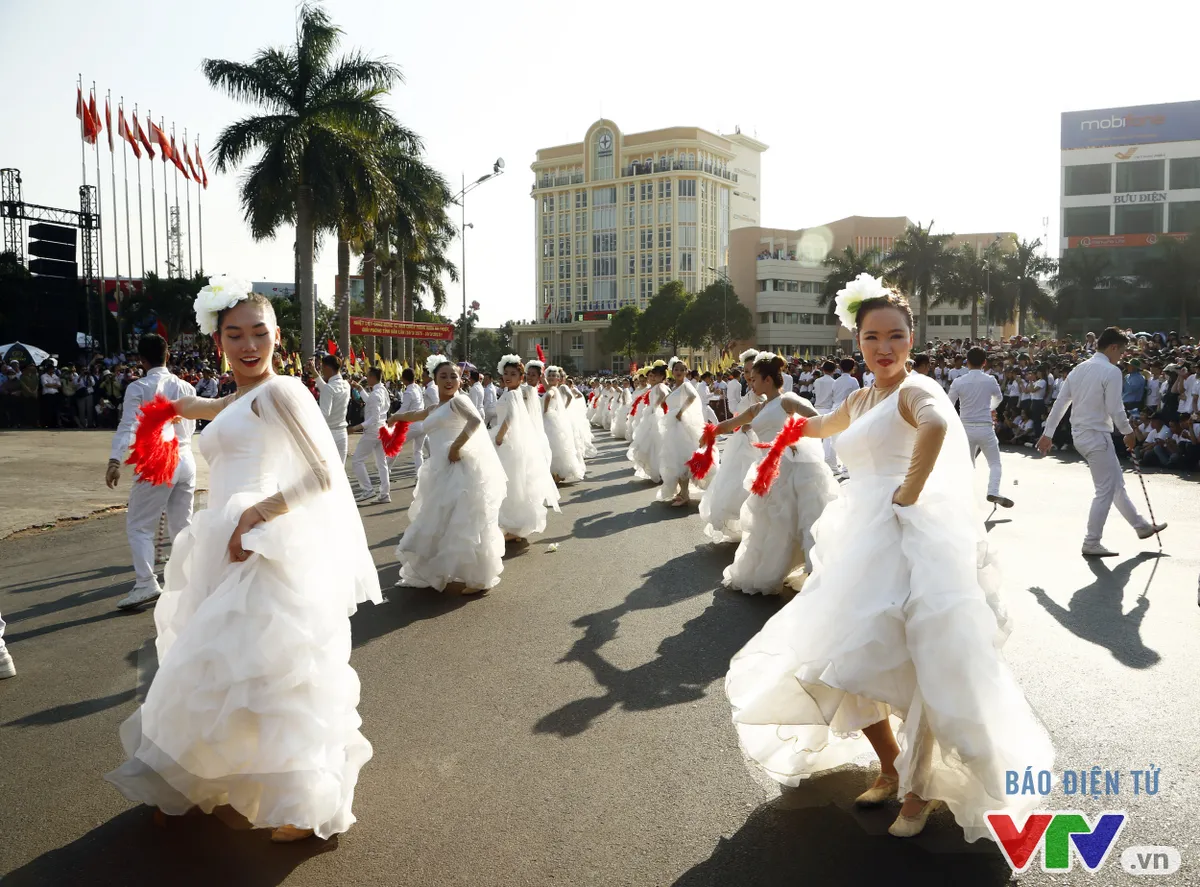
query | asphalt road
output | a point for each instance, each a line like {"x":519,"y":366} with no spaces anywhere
{"x":570,"y":727}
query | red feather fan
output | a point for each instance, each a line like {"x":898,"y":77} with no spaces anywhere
{"x":664,"y":406}
{"x":393,"y":438}
{"x":644,"y":398}
{"x":702,"y":460}
{"x":541,"y":389}
{"x":153,"y":458}
{"x":768,"y":469}
{"x":541,"y":354}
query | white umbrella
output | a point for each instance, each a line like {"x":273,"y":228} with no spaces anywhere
{"x":37,"y":355}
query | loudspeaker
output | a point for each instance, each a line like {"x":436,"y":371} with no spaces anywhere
{"x":48,"y":249}
{"x":54,"y":233}
{"x":53,"y":268}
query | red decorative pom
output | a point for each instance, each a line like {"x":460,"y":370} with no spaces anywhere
{"x":393,"y":438}
{"x":153,"y":458}
{"x":664,"y":406}
{"x":541,"y":354}
{"x":541,"y":388}
{"x":644,"y":398}
{"x":768,"y":469}
{"x":702,"y":460}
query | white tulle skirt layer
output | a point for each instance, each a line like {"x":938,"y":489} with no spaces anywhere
{"x":454,"y":533}
{"x":254,"y":702}
{"x":530,"y":489}
{"x":680,"y":438}
{"x":900,"y":617}
{"x":643,"y":452}
{"x":620,"y":425}
{"x":566,"y":463}
{"x":777,"y":529}
{"x":721,"y":504}
{"x":585,"y":446}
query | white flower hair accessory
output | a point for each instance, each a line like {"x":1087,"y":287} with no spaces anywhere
{"x":748,"y":354}
{"x":535,"y":364}
{"x":671,"y":363}
{"x":222,"y":292}
{"x":764,"y":356}
{"x":433,"y":361}
{"x":851,"y":297}
{"x":508,"y":360}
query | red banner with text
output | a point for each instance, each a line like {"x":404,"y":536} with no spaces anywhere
{"x":1120,"y":240}
{"x":399,"y":329}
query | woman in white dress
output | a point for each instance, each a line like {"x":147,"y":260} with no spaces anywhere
{"x":531,"y":489}
{"x":566,"y":463}
{"x":453,"y":542}
{"x":721,"y":504}
{"x":777,"y":527}
{"x":254,"y":702}
{"x":900,"y":617}
{"x":636,"y":400}
{"x":681,"y":430}
{"x":585,"y":444}
{"x":643,"y":452}
{"x":620,"y":410}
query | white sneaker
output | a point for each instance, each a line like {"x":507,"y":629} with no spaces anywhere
{"x":1095,"y":549}
{"x":7,"y":669}
{"x":139,"y":596}
{"x":1147,"y":532}
{"x":364,"y":495}
{"x":381,"y":500}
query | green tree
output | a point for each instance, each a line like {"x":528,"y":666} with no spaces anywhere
{"x":968,"y":278}
{"x":621,"y":336}
{"x":1024,"y":272}
{"x":919,"y":261}
{"x":716,"y":317}
{"x":660,"y":322}
{"x":842,"y":268}
{"x":322,"y":122}
{"x":1082,"y":285}
{"x":1171,"y":277}
{"x":167,"y":299}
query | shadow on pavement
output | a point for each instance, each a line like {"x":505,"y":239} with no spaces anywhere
{"x":1095,"y":612}
{"x":401,"y":607}
{"x":130,"y":850}
{"x":685,"y":664}
{"x":76,"y":578}
{"x":814,"y":835}
{"x":606,"y":522}
{"x":61,"y":713}
{"x":16,"y":636}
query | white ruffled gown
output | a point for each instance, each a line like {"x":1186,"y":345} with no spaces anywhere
{"x":900,"y":616}
{"x":643,"y":452}
{"x":453,"y":532}
{"x":254,"y":701}
{"x":531,"y":489}
{"x":566,"y":463}
{"x":620,"y":412}
{"x":585,"y":444}
{"x":777,"y":529}
{"x":682,"y":427}
{"x":721,"y":504}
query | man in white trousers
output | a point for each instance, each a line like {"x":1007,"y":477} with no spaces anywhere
{"x":490,"y":396}
{"x":978,"y":394}
{"x":1093,"y":392}
{"x":334,"y":397}
{"x":843,"y":386}
{"x":147,"y":502}
{"x":411,"y":401}
{"x":375,"y":415}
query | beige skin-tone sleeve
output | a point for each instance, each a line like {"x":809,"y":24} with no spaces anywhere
{"x":918,"y":408}
{"x":206,"y":408}
{"x":835,"y":422}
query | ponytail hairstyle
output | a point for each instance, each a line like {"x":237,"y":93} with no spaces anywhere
{"x":770,"y":366}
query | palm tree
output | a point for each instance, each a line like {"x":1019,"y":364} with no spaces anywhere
{"x":322,"y":119}
{"x":843,"y":267}
{"x":1172,"y":276}
{"x":1082,"y":282}
{"x":965,"y":282}
{"x":1023,"y":271}
{"x":919,"y":262}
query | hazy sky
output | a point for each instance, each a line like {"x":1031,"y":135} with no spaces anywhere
{"x":947,"y":111}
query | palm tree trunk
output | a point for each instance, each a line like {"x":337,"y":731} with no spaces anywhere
{"x":975,"y":319}
{"x":923,"y":301}
{"x":385,"y":285}
{"x":342,"y":293}
{"x":398,"y":294}
{"x":369,"y":291}
{"x":1020,"y":314}
{"x":304,"y":269}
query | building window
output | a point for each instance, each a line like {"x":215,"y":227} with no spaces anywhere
{"x":547,"y":270}
{"x":687,"y":187}
{"x":581,"y":221}
{"x":547,"y":224}
{"x":1185,"y":173}
{"x":632,"y":194}
{"x":1090,"y":178}
{"x":548,"y":203}
{"x":664,"y":189}
{"x":647,"y":191}
{"x":664,"y":238}
{"x":935,"y":320}
{"x":1183,"y":216}
{"x":764,"y":317}
{"x":664,"y":263}
{"x":631,"y":267}
{"x":687,"y":212}
{"x":687,"y":261}
{"x":1139,"y":219}
{"x":1141,"y":175}
{"x":804,"y":319}
{"x":582,"y":290}
{"x":620,"y":363}
{"x":548,"y":248}
{"x":664,"y":214}
{"x":581,"y":267}
{"x":581,"y":246}
{"x":762,"y":286}
{"x":606,"y":291}
{"x":793,"y":286}
{"x":547,"y":293}
{"x":564,"y":269}
{"x":581,"y":199}
{"x":602,"y":155}
{"x":1085,"y":221}
{"x":564,"y":246}
{"x":577,"y":344}
{"x":964,"y":319}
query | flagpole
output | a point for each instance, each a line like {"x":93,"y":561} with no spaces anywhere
{"x":178,"y":257}
{"x":141,"y":231}
{"x":112,"y":165}
{"x":166,"y":213}
{"x":200,"y":207}
{"x":153,"y":198}
{"x":125,"y":168}
{"x":187,"y":188}
{"x":83,"y":168}
{"x":100,"y":237}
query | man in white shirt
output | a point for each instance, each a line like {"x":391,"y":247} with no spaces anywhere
{"x":705,"y":397}
{"x":733,"y":392}
{"x":334,"y":398}
{"x":823,"y":388}
{"x":476,"y":391}
{"x":147,"y":501}
{"x":978,"y":394}
{"x":1093,"y":391}
{"x":490,"y":395}
{"x":431,"y":392}
{"x":207,"y":386}
{"x":789,"y":383}
{"x":375,"y":415}
{"x":413,"y":400}
{"x":845,"y":384}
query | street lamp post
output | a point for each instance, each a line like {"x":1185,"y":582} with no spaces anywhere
{"x":461,"y":199}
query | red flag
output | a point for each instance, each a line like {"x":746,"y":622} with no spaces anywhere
{"x":85,"y":117}
{"x":191,"y":169}
{"x":352,"y":355}
{"x":108,"y":122}
{"x":200,"y":163}
{"x":97,"y":128}
{"x":331,"y":346}
{"x":141,"y":135}
{"x":160,"y":138}
{"x":175,"y":158}
{"x":126,"y":133}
